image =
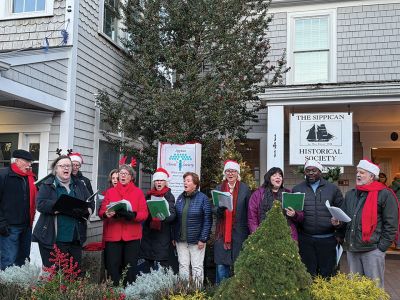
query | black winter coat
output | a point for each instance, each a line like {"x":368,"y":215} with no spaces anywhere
{"x":317,"y":218}
{"x":45,"y":229}
{"x":386,"y":227}
{"x":240,"y":229}
{"x":155,"y":243}
{"x":14,"y":198}
{"x":85,"y":181}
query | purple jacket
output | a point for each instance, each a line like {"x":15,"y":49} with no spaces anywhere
{"x":254,"y":213}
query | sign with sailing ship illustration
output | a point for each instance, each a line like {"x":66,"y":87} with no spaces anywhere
{"x":324,"y":137}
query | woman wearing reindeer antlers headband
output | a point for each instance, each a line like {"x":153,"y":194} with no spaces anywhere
{"x":61,"y":201}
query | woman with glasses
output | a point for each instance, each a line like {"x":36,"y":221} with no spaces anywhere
{"x":67,"y":231}
{"x":231,"y":230}
{"x":122,"y":227}
{"x":262,"y":199}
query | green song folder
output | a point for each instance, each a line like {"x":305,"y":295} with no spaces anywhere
{"x":293,"y":200}
{"x":158,"y":207}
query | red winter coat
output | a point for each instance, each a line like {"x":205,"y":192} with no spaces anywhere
{"x":117,"y":229}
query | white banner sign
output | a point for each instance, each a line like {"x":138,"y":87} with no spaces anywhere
{"x":324,"y":137}
{"x":178,"y":159}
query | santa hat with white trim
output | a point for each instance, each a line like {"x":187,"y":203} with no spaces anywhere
{"x":231,"y":165}
{"x":75,"y":156}
{"x":313,"y":163}
{"x":161,"y":174}
{"x":369,"y":166}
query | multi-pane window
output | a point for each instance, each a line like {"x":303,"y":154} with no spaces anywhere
{"x":22,"y":6}
{"x":312,"y":49}
{"x":110,"y":19}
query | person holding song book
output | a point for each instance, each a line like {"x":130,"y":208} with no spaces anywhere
{"x":262,"y":199}
{"x":317,"y":236}
{"x":122,"y":228}
{"x":231,"y":230}
{"x":66,"y":228}
{"x":157,"y":239}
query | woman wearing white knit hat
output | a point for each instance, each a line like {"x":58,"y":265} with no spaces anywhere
{"x":232,"y":229}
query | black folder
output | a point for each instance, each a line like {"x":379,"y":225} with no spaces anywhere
{"x":66,"y":204}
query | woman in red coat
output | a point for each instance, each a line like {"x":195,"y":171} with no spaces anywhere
{"x":123,"y":229}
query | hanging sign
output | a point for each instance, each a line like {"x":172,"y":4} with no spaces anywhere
{"x":324,"y":137}
{"x":178,"y":159}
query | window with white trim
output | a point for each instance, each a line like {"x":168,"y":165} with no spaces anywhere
{"x":111,"y":20}
{"x":17,"y":9}
{"x":312,"y":47}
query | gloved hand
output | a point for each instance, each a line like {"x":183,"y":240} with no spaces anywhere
{"x":4,"y":231}
{"x":127,"y":215}
{"x":221,"y":211}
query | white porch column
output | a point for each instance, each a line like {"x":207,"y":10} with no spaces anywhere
{"x":275,"y":133}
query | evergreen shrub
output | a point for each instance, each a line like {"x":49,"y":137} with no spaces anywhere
{"x":347,"y":287}
{"x":269,"y":266}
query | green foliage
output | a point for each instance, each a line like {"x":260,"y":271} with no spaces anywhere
{"x":13,"y":291}
{"x":62,"y":281}
{"x":269,"y":266}
{"x":347,"y":287}
{"x":192,"y":73}
{"x":197,"y":295}
{"x":229,"y":151}
{"x":332,"y":175}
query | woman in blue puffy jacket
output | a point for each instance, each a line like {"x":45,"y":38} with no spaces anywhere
{"x":193,"y":228}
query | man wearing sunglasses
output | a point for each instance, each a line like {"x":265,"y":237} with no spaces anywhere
{"x":317,"y":241}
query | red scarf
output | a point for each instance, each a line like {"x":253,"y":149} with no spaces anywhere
{"x":124,"y":190}
{"x":369,"y":215}
{"x":224,"y":227}
{"x":157,"y":193}
{"x":32,"y":189}
{"x":155,"y":223}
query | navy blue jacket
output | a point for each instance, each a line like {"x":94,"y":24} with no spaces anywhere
{"x":45,"y":229}
{"x":199,"y":219}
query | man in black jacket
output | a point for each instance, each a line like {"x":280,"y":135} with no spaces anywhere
{"x":17,"y":209}
{"x":317,"y":241}
{"x":373,"y":209}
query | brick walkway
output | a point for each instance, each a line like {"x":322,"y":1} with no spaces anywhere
{"x":392,"y":274}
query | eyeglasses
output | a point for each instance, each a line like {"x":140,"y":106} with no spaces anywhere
{"x":65,"y":166}
{"x":124,"y":173}
{"x":231,"y":171}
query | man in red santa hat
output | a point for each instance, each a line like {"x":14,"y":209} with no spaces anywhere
{"x":374,"y":212}
{"x":77,"y":162}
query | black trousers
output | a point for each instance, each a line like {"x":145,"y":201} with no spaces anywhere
{"x":118,"y":255}
{"x":318,"y":254}
{"x":74,"y":249}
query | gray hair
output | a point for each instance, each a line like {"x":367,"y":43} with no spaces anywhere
{"x":130,"y":170}
{"x":54,"y":163}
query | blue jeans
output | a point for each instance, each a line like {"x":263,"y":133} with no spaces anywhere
{"x":223,"y":272}
{"x":15,"y":248}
